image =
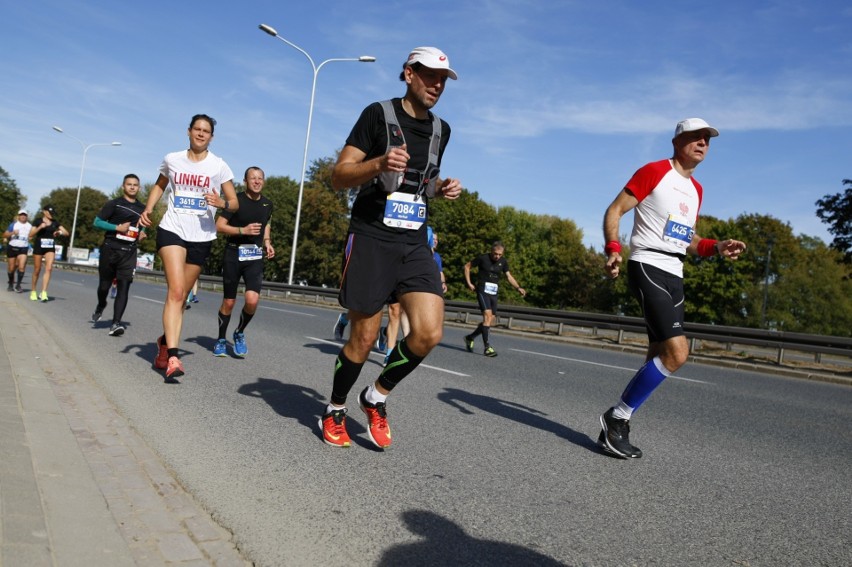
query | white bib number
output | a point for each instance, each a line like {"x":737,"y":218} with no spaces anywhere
{"x":131,"y":236}
{"x":404,"y":210}
{"x":46,"y":242}
{"x":188,"y":203}
{"x":490,"y":288}
{"x":249,"y":252}
{"x":677,"y":232}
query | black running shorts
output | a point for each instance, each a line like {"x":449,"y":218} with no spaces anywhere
{"x":117,"y":262}
{"x":196,"y":252}
{"x":660,"y":294}
{"x":15,"y":251}
{"x":487,"y":302}
{"x":376,"y":270}
{"x":250,"y":271}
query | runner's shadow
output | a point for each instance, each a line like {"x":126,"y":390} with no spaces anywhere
{"x":206,"y":343}
{"x":516,"y":412}
{"x":305,"y":405}
{"x":446,"y":543}
{"x":325,"y":348}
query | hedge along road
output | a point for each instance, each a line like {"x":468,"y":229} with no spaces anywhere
{"x":493,"y":460}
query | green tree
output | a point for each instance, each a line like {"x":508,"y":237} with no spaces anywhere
{"x":716,"y":289}
{"x":466,"y":227}
{"x":819,"y":275}
{"x":11,"y":199}
{"x":836,"y":211}
{"x":64,"y":201}
{"x":574,"y":272}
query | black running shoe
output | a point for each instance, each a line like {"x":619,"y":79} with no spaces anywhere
{"x":116,"y":330}
{"x":615,"y":437}
{"x":11,"y":287}
{"x":96,"y":316}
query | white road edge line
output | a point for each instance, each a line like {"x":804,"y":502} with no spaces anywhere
{"x":453,"y":372}
{"x":599,"y":364}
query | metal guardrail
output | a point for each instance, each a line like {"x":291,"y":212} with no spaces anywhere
{"x":556,"y":322}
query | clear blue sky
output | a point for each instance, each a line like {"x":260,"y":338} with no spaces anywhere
{"x":557,"y":102}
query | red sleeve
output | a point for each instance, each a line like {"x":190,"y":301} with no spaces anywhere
{"x":700,"y":190}
{"x":647,"y":178}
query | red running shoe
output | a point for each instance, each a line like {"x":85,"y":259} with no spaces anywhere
{"x":175,"y":368}
{"x":378,"y":430}
{"x":162,"y":359}
{"x":333,"y":427}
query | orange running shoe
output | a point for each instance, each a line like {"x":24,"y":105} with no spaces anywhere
{"x":378,"y":430}
{"x":175,"y":368}
{"x":333,"y":427}
{"x":161,"y":361}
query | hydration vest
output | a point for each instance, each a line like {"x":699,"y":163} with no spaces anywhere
{"x":424,"y":181}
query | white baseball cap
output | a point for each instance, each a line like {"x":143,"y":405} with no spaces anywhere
{"x":23,"y":212}
{"x":693,"y":124}
{"x":431,"y":57}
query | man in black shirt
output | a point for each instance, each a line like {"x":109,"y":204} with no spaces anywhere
{"x":490,"y":266}
{"x":392,"y":155}
{"x":120,"y":219}
{"x":249,"y":237}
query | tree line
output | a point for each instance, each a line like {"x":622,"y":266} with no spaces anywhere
{"x":784,"y":281}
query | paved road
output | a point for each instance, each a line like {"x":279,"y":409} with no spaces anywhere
{"x":493,"y":461}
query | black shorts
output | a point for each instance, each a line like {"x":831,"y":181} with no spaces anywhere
{"x":487,"y":302}
{"x":15,"y":251}
{"x":374,"y":271}
{"x":39,"y":251}
{"x":117,"y":262}
{"x":660,"y":294}
{"x":250,"y":271}
{"x":196,"y":252}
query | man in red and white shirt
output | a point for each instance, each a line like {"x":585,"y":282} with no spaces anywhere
{"x":665,"y":199}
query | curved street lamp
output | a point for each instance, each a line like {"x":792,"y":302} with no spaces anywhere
{"x":316,"y":68}
{"x":80,"y":184}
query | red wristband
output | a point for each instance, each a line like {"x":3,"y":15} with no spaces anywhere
{"x":612,"y":247}
{"x":707,"y":247}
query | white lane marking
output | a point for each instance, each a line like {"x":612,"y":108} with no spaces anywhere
{"x":430,"y":367}
{"x":288,"y":311}
{"x":599,"y":364}
{"x":72,"y":282}
{"x":148,"y":299}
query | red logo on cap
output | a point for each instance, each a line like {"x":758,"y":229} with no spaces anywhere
{"x":442,"y":58}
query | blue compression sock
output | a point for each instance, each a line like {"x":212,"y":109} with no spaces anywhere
{"x":644,"y":382}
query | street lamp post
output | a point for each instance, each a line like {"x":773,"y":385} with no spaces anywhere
{"x":80,"y":184}
{"x":316,"y":68}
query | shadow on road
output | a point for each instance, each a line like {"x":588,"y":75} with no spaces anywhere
{"x":516,"y":412}
{"x":305,"y":405}
{"x":446,"y":543}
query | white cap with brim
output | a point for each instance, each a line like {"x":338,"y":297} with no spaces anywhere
{"x":693,"y":124}
{"x":431,"y":57}
{"x":23,"y":212}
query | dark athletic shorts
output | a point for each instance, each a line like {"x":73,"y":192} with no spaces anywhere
{"x":15,"y":251}
{"x":117,"y":262}
{"x":660,"y":294}
{"x":232,"y":270}
{"x":196,"y":252}
{"x":375,"y":271}
{"x":487,"y":302}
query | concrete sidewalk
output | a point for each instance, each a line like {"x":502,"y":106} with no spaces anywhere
{"x":78,"y":486}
